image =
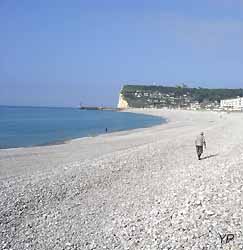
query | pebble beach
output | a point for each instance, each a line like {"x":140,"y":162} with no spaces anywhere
{"x":137,"y":189}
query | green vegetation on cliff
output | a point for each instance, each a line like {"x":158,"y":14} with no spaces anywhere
{"x":140,"y":96}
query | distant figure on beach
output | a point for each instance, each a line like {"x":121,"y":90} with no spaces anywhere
{"x":200,"y":142}
{"x":106,"y":130}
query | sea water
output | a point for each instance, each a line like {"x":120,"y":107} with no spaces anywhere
{"x":32,"y":126}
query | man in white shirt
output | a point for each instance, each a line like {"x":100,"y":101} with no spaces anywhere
{"x":200,"y":142}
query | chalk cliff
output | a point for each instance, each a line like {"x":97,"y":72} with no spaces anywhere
{"x":122,"y":103}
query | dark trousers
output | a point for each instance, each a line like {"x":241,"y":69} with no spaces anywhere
{"x":199,"y":151}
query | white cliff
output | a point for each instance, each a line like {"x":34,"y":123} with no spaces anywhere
{"x":122,"y":103}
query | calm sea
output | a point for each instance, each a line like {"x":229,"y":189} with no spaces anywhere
{"x":31,"y":126}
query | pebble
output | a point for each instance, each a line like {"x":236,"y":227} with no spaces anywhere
{"x":144,"y":197}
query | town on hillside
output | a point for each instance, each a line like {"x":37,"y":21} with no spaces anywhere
{"x":180,"y":97}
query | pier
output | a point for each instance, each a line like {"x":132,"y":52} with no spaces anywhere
{"x":99,"y":108}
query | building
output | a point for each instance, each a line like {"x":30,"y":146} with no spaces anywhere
{"x":194,"y":106}
{"x":232,"y":104}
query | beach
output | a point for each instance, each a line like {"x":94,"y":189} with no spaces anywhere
{"x":136,"y":189}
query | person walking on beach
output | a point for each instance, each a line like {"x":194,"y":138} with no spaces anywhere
{"x":199,"y":143}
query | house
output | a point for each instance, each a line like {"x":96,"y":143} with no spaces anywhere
{"x":195,"y":105}
{"x":235,"y":104}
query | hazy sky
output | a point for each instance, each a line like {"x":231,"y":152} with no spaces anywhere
{"x":59,"y":52}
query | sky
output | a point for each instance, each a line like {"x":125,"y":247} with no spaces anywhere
{"x":61,"y":53}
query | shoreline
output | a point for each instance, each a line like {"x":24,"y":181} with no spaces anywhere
{"x":66,"y":141}
{"x":143,"y":189}
{"x":127,"y":135}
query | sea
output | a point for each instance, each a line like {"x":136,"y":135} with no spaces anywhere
{"x":37,"y":126}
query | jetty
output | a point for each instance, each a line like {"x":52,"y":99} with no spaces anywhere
{"x":99,"y":108}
